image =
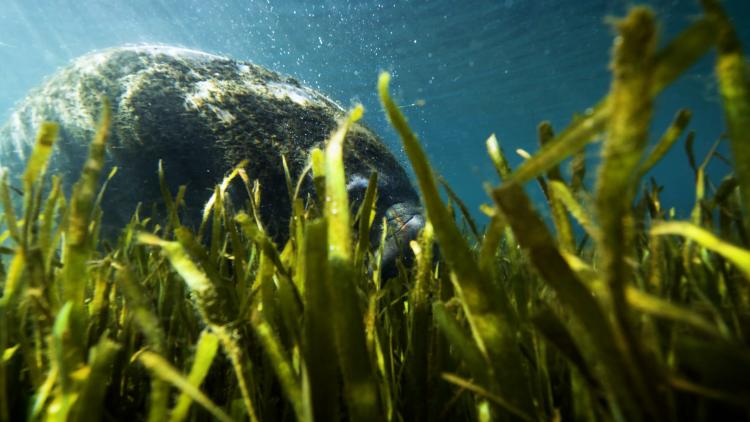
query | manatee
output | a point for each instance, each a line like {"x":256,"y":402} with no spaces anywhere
{"x":202,"y":114}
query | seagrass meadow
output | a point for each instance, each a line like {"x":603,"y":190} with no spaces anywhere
{"x":611,"y":309}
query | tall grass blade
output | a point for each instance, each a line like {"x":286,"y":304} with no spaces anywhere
{"x":214,"y":307}
{"x":631,"y":104}
{"x":669,"y":63}
{"x":318,"y":345}
{"x":498,"y":158}
{"x":11,"y":223}
{"x":205,"y":351}
{"x":77,"y":246}
{"x":90,"y":403}
{"x":670,"y":136}
{"x":734,"y":86}
{"x":361,"y":392}
{"x":487,"y":309}
{"x":366,"y":215}
{"x":597,"y":338}
{"x":161,"y":368}
{"x":735,"y":254}
{"x":282,"y":365}
{"x":37,"y":163}
{"x":421,"y":328}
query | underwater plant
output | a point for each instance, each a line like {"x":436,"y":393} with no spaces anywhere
{"x":621,"y":312}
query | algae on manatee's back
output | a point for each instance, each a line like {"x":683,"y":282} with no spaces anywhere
{"x":201,"y":114}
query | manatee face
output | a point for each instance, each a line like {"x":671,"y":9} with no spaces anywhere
{"x":201,"y":114}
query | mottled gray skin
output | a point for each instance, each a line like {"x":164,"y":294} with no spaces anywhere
{"x":201,"y":114}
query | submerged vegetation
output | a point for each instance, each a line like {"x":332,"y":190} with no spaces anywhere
{"x":640,"y":317}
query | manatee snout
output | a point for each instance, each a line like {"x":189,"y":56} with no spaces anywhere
{"x":404,"y":220}
{"x":399,"y":204}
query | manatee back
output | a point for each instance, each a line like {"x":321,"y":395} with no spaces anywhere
{"x":201,"y":114}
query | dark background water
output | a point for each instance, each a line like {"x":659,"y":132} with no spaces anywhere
{"x":462,"y":69}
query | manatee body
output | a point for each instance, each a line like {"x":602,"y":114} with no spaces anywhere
{"x":201,"y":114}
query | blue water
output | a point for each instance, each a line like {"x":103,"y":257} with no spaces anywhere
{"x":462,"y":69}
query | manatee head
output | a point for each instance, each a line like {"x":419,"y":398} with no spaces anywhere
{"x":202,"y":114}
{"x":397,"y":205}
{"x":405,"y":220}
